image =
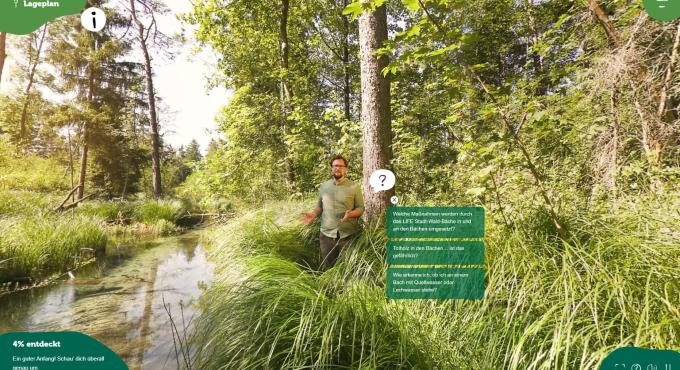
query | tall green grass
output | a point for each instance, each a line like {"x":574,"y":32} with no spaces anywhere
{"x":266,"y":231}
{"x":154,"y":217}
{"x":33,"y":247}
{"x":149,"y":212}
{"x":144,"y":211}
{"x":548,"y":303}
{"x":29,"y":203}
{"x":35,"y":242}
{"x":283,"y":314}
{"x":108,"y":211}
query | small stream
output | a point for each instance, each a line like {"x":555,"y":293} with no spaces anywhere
{"x":122,"y":299}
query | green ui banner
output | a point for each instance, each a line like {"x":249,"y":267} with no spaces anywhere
{"x":406,"y":252}
{"x":435,"y":283}
{"x":435,"y":222}
{"x":20,"y":17}
{"x":66,"y":350}
{"x":634,"y":358}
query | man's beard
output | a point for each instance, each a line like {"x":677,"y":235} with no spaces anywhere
{"x":337,"y":177}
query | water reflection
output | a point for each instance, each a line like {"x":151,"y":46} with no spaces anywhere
{"x":123,"y":301}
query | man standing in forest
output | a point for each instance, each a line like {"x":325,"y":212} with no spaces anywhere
{"x":340,"y":205}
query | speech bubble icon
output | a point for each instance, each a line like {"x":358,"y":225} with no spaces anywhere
{"x":382,"y":180}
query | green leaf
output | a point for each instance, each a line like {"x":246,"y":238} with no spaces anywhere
{"x":411,"y":5}
{"x":354,"y":9}
{"x":486,"y":170}
{"x":413,"y":31}
{"x":476,"y":191}
{"x":389,"y":69}
{"x":443,"y":50}
{"x":357,"y":7}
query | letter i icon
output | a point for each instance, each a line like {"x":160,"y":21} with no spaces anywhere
{"x":93,"y":19}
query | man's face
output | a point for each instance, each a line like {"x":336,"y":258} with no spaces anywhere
{"x":339,"y":169}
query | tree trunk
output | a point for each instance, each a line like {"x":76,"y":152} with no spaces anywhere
{"x":605,"y":22}
{"x":345,"y":64}
{"x":375,"y":108}
{"x":70,"y":157}
{"x":151,"y":100}
{"x":3,"y":39}
{"x":86,"y":135}
{"x":86,"y":138}
{"x":31,"y":74}
{"x":286,"y":94}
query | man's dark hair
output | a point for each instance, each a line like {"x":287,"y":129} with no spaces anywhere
{"x":339,"y":157}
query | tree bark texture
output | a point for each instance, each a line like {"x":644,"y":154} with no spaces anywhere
{"x":605,"y":22}
{"x":31,"y":76}
{"x":286,"y":93}
{"x":345,"y":64}
{"x":375,"y":108}
{"x":86,"y":139}
{"x":151,"y":101}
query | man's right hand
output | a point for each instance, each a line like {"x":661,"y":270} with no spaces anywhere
{"x":308,"y":218}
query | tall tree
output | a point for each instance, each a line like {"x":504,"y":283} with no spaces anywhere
{"x":254,"y":40}
{"x":346,"y":88}
{"x":90,"y":71}
{"x":92,"y":66}
{"x":143,"y":33}
{"x":286,"y":90}
{"x":375,"y":106}
{"x":192,"y":153}
{"x":32,"y":66}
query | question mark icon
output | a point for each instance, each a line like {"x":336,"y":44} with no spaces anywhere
{"x":381,"y":180}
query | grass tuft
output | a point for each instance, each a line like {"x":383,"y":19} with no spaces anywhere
{"x":548,"y":303}
{"x":32,"y":247}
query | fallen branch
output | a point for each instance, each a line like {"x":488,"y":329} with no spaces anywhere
{"x":66,"y":199}
{"x":63,"y":207}
{"x":189,"y":215}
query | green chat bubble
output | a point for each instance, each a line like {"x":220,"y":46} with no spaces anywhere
{"x":20,"y":17}
{"x":662,"y":10}
{"x":404,"y":252}
{"x":435,"y":222}
{"x":435,"y":283}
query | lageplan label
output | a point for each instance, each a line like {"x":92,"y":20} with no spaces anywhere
{"x":20,"y":17}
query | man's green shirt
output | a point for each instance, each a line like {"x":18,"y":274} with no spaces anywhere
{"x":334,"y":200}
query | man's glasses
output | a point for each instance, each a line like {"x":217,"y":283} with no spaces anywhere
{"x":337,"y":166}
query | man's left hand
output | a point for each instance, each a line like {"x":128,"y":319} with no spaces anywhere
{"x":345,"y":218}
